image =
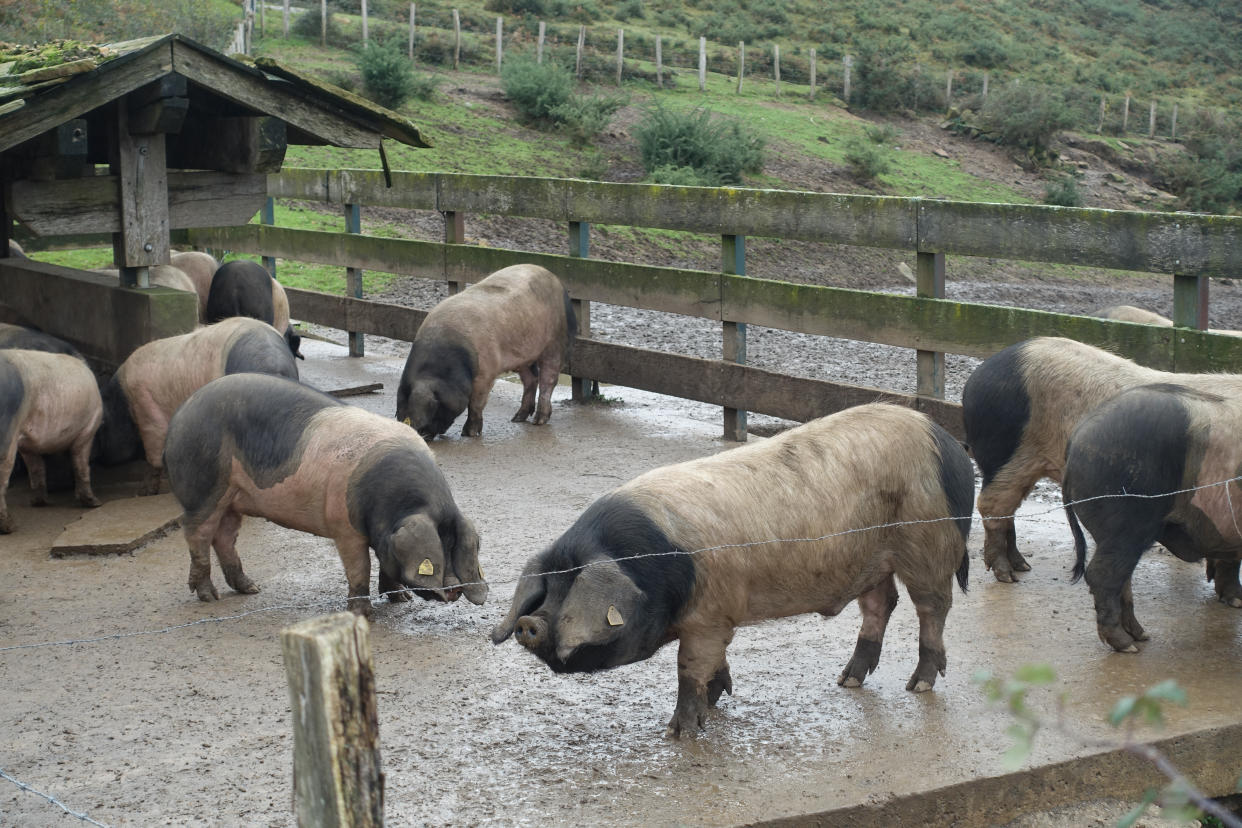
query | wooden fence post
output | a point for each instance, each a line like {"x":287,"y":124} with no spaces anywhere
{"x":948,"y":89}
{"x":1190,"y":302}
{"x":412,"y":10}
{"x":929,"y":283}
{"x":659,"y":62}
{"x":581,"y":389}
{"x":500,"y":49}
{"x":1173,"y":126}
{"x":353,"y":280}
{"x":1151,"y":123}
{"x":1125,"y":115}
{"x":285,"y":10}
{"x":323,"y":22}
{"x":848,"y":61}
{"x":454,"y":233}
{"x":337,"y":780}
{"x":365,"y":36}
{"x":620,"y":53}
{"x":811,"y":94}
{"x":268,"y":216}
{"x":985,"y":85}
{"x":741,"y":64}
{"x":776,"y":67}
{"x":543,"y":30}
{"x":262,"y":19}
{"x":1099,"y":130}
{"x":702,"y":64}
{"x":733,"y":261}
{"x":456,"y":39}
{"x":578,"y":58}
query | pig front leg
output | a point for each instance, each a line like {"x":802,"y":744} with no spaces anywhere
{"x":392,"y":589}
{"x":225,"y":543}
{"x":36,"y":470}
{"x":700,"y":680}
{"x":356,"y":557}
{"x":876,"y":605}
{"x":6,"y":469}
{"x":530,"y":382}
{"x":474,"y":411}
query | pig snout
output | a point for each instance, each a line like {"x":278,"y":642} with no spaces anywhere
{"x":531,"y":632}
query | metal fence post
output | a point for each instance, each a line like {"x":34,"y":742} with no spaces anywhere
{"x":268,"y":216}
{"x":353,"y":280}
{"x":733,"y":262}
{"x":929,"y":277}
{"x":581,"y":388}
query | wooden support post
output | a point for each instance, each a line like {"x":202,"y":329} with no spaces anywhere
{"x":454,"y":233}
{"x":733,"y":261}
{"x":929,"y":283}
{"x":811,"y":94}
{"x":412,"y":11}
{"x":543,"y":32}
{"x":500,"y":43}
{"x":286,"y":18}
{"x":1151,"y":124}
{"x":659,"y":62}
{"x":702,"y":64}
{"x":143,"y":176}
{"x":337,"y":780}
{"x":1125,"y":115}
{"x":1173,"y":126}
{"x":364,"y":22}
{"x":323,"y":23}
{"x":948,"y":89}
{"x":1099,"y":130}
{"x":581,"y":389}
{"x":1190,"y":301}
{"x":741,"y":64}
{"x":620,"y":53}
{"x":985,"y":85}
{"x":456,"y":39}
{"x":353,"y":280}
{"x":776,"y":67}
{"x":848,"y":62}
{"x":268,"y":216}
{"x":578,"y":57}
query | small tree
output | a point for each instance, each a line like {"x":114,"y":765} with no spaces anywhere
{"x":1027,"y":116}
{"x":387,"y":75}
{"x":720,"y":150}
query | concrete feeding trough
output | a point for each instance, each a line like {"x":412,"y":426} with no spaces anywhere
{"x":119,"y":526}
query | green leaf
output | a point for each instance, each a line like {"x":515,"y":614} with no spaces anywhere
{"x":1036,"y":674}
{"x":1169,"y":691}
{"x":1121,"y":711}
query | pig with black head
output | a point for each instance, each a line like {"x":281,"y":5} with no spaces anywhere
{"x":690,"y":551}
{"x":517,"y":319}
{"x":49,"y":403}
{"x":19,"y":337}
{"x":251,"y":444}
{"x":245,"y":288}
{"x":159,"y":376}
{"x":199,"y":268}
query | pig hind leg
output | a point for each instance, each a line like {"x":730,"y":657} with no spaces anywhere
{"x":1225,"y":575}
{"x":225,"y":542}
{"x":876,"y":605}
{"x":198,"y":538}
{"x":999,"y":499}
{"x":7,"y":460}
{"x":549,"y":372}
{"x":530,"y":382}
{"x":932,"y":602}
{"x":36,"y":469}
{"x":80,"y":455}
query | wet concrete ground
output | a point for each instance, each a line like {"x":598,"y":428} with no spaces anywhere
{"x":190,"y":725}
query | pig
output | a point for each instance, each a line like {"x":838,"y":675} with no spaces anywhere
{"x":1019,"y":408}
{"x":1130,"y":313}
{"x":1172,"y":452}
{"x":245,"y":288}
{"x":162,"y":275}
{"x":518,"y":318}
{"x":690,"y":551}
{"x":155,"y":379}
{"x":29,"y":339}
{"x":48,"y":403}
{"x":250,"y":444}
{"x":15,"y":251}
{"x":199,"y":267}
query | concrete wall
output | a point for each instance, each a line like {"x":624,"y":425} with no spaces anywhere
{"x":102,"y":319}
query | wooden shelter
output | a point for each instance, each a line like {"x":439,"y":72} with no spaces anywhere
{"x":138,"y":139}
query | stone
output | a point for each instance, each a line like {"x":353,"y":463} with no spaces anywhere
{"x":119,"y":526}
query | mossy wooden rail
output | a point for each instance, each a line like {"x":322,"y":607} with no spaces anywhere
{"x":1188,"y":247}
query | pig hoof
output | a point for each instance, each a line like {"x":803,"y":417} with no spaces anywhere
{"x":399,"y":596}
{"x":243,"y":584}
{"x":722,"y":682}
{"x":1004,"y":575}
{"x":206,"y":592}
{"x":6,"y":526}
{"x":520,"y":417}
{"x":1018,"y":563}
{"x":920,"y":686}
{"x":845,"y":680}
{"x":90,"y":502}
{"x":361,"y":605}
{"x":1118,"y":639}
{"x":542,"y":419}
{"x":1235,"y":601}
{"x":38,"y":501}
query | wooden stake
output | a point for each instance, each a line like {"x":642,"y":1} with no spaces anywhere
{"x":848,"y":60}
{"x":620,"y":53}
{"x":659,"y":62}
{"x":1103,"y":105}
{"x":776,"y":67}
{"x":985,"y":84}
{"x":412,"y":10}
{"x":286,"y":17}
{"x":543,"y":28}
{"x":702,"y":64}
{"x":323,"y":22}
{"x":1173,"y":127}
{"x":500,"y":49}
{"x":337,"y":779}
{"x":365,"y":37}
{"x":741,"y":64}
{"x":811,"y":94}
{"x":1125,"y":115}
{"x":948,"y":89}
{"x":456,"y":39}
{"x":578,"y":58}
{"x":1151,"y":124}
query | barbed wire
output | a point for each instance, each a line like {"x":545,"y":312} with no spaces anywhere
{"x":215,"y":619}
{"x":19,"y":783}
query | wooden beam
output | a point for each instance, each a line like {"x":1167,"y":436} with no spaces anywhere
{"x":235,"y":145}
{"x":349,"y":314}
{"x":143,"y":179}
{"x":159,"y":107}
{"x":89,"y":205}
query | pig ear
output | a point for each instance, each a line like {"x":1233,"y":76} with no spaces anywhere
{"x":530,"y":591}
{"x":416,"y":551}
{"x":601,"y":602}
{"x":465,"y":562}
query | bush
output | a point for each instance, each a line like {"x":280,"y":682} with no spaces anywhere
{"x":881,"y":133}
{"x":307,"y":25}
{"x":387,"y":74}
{"x":630,"y":9}
{"x":1027,"y":116}
{"x":583,"y":117}
{"x":423,"y":85}
{"x":866,"y":160}
{"x":536,"y":89}
{"x":1063,"y":192}
{"x":681,"y":176}
{"x":720,"y":150}
{"x":883,"y":83}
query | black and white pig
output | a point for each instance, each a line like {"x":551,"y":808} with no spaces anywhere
{"x":245,"y":288}
{"x":1133,"y":470}
{"x":258,"y":445}
{"x":518,"y":318}
{"x":690,"y":551}
{"x":199,"y":267}
{"x":28,"y":339}
{"x":159,"y":376}
{"x":48,"y":403}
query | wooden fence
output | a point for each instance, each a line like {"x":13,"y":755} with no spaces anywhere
{"x":1189,"y":248}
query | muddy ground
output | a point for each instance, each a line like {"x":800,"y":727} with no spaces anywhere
{"x":178,"y":712}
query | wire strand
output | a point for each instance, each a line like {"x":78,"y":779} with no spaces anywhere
{"x":19,"y":783}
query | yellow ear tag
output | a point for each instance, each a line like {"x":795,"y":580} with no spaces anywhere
{"x":614,"y":617}
{"x":426,"y":567}
{"x":407,"y":422}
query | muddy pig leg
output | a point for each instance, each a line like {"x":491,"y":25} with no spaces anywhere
{"x":1225,"y":574}
{"x":933,"y":606}
{"x":1128,"y":622}
{"x":722,"y":682}
{"x":1108,"y":575}
{"x":474,"y":411}
{"x":356,"y":557}
{"x":225,"y":542}
{"x":876,"y":605}
{"x":6,"y":469}
{"x":549,"y":373}
{"x":80,"y":454}
{"x":699,"y":657}
{"x":152,"y":428}
{"x":36,"y":469}
{"x":198,"y":538}
{"x":998,"y":501}
{"x":392,"y":589}
{"x":530,"y":381}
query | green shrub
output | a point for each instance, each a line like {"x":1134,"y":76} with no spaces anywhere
{"x":308,"y":24}
{"x":866,"y":160}
{"x":681,"y":176}
{"x":585,"y":116}
{"x":884,"y":83}
{"x":881,"y":133}
{"x":535,"y":89}
{"x":535,"y":7}
{"x":1063,"y":192}
{"x":720,"y":150}
{"x":387,"y":74}
{"x":423,"y":85}
{"x":1027,"y":116}
{"x":630,"y":9}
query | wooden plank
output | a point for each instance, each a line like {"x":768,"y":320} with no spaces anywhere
{"x":85,"y":92}
{"x":300,"y":183}
{"x":404,"y":256}
{"x":230,"y":144}
{"x":1182,"y":243}
{"x":336,"y":758}
{"x":89,"y":205}
{"x":503,"y":195}
{"x":347,"y":313}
